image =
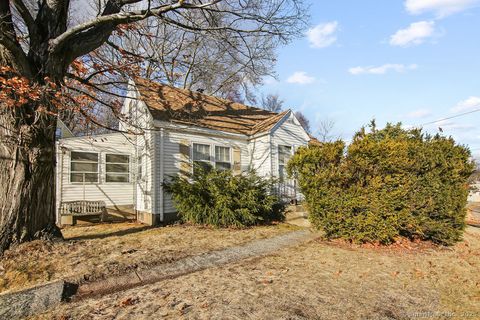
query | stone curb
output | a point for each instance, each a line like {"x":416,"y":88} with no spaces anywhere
{"x":35,"y":299}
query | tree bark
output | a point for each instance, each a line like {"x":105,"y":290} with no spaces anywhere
{"x":27,"y":180}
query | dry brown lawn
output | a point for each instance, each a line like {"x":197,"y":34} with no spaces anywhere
{"x":98,"y":251}
{"x":317,"y":280}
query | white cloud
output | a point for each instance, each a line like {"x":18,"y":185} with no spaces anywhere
{"x":323,"y":35}
{"x":420,"y":113}
{"x":470,"y":104}
{"x":415,"y":34}
{"x":450,"y":125}
{"x":441,"y":8}
{"x":300,"y":77}
{"x":382,"y":69}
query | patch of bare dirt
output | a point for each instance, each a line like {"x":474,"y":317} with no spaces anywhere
{"x":312,"y":281}
{"x":401,"y":245}
{"x":98,"y":251}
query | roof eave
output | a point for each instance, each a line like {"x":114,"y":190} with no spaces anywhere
{"x":274,"y":126}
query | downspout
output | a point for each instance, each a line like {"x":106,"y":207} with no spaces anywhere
{"x":162,"y":160}
{"x":135,"y":180}
{"x":138,"y":181}
{"x":151,"y":145}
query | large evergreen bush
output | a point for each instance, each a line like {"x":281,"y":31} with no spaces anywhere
{"x":387,"y":183}
{"x":222,"y":199}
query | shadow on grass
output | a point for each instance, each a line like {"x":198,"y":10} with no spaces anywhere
{"x":118,"y":233}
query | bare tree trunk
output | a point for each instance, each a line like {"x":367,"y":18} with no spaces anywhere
{"x":27,"y":181}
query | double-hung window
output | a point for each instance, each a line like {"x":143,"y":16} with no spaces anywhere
{"x":117,"y":168}
{"x":84,"y":167}
{"x":201,"y":156}
{"x":222,"y":158}
{"x":284,"y":154}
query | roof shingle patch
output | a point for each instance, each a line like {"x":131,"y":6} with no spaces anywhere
{"x":186,"y":107}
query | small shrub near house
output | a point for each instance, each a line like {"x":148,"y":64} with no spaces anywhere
{"x":222,"y":199}
{"x":387,"y":183}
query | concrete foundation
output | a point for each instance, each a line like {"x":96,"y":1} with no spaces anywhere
{"x":66,"y":220}
{"x":148,"y":218}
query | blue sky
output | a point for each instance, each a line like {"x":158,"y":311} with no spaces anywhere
{"x":413,"y":61}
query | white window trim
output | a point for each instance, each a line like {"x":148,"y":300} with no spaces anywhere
{"x":278,"y":156}
{"x":129,"y":168}
{"x":212,"y":160}
{"x":192,"y":153}
{"x":230,"y":156}
{"x":71,"y":171}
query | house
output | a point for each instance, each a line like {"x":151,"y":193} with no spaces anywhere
{"x":171,"y":129}
{"x":62,"y":131}
{"x":473,"y":206}
{"x":474,"y":195}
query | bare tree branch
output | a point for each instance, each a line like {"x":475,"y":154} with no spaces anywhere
{"x":12,"y":51}
{"x":89,"y":35}
{"x":26,"y":16}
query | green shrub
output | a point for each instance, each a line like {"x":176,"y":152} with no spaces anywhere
{"x":387,"y":183}
{"x":221,"y":199}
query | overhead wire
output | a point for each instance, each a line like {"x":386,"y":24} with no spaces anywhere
{"x":451,"y":117}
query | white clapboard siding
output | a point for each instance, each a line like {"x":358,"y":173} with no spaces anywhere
{"x":139,"y":120}
{"x":114,"y":194}
{"x":129,"y":110}
{"x":172,"y":156}
{"x":260,"y":155}
{"x":288,"y":133}
{"x":144,"y":186}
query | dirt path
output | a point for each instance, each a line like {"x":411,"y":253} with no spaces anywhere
{"x":188,"y":265}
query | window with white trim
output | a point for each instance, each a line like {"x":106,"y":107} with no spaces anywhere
{"x":117,"y":168}
{"x":201,"y":155}
{"x":83,"y":167}
{"x":284,"y":154}
{"x":222,"y":158}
